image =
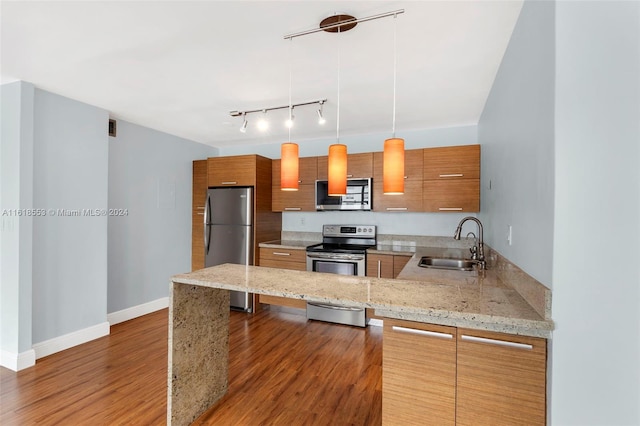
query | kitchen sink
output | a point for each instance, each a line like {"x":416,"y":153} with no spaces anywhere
{"x":446,"y":263}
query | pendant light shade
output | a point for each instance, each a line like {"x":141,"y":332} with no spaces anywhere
{"x":393,"y":166}
{"x":289,"y":166}
{"x":337,"y":169}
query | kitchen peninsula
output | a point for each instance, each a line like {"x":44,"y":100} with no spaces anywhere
{"x":199,"y":315}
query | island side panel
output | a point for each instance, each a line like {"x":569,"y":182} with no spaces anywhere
{"x":198,"y":371}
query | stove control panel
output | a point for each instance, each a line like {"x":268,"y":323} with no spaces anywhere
{"x":350,"y":231}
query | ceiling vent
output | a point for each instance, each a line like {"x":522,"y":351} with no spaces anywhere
{"x":112,"y":128}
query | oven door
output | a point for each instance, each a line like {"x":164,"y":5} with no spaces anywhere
{"x":343,"y":264}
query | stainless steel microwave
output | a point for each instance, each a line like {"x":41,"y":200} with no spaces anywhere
{"x":358,"y":196}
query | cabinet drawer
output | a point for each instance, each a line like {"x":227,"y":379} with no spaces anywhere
{"x":452,"y":162}
{"x":285,"y":256}
{"x":302,"y":200}
{"x":456,"y":195}
{"x":237,"y":170}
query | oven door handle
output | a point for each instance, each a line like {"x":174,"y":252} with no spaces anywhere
{"x":336,"y":307}
{"x":335,"y":257}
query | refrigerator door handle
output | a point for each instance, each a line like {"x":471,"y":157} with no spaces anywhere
{"x":207,"y":234}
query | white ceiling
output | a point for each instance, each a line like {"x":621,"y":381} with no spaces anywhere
{"x":180,"y":67}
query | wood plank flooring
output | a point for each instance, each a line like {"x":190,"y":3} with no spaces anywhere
{"x":284,"y":370}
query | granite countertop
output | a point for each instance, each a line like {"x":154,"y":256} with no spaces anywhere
{"x":475,"y":299}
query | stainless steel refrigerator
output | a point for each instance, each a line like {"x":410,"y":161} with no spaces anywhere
{"x":228,"y":233}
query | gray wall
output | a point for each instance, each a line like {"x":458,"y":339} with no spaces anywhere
{"x":388,"y":223}
{"x":69,"y":253}
{"x":150,"y":175}
{"x":16,"y":192}
{"x":516,"y":133}
{"x":596,"y":280}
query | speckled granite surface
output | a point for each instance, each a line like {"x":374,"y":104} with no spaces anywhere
{"x":479,"y":300}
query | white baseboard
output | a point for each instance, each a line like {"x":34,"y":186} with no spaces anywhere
{"x":18,"y":361}
{"x":70,"y":340}
{"x":137,"y":311}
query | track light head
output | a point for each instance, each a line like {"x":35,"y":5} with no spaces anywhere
{"x":243,"y":129}
{"x":289,"y":122}
{"x":321,"y":119}
{"x":263,"y":124}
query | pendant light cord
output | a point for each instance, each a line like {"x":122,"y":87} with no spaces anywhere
{"x":338,"y":108}
{"x":290,"y":77}
{"x":395,"y":67}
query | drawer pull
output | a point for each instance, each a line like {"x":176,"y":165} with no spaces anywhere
{"x":397,"y":209}
{"x":450,"y":209}
{"x":278,"y":253}
{"x":452,"y":175}
{"x":349,"y":176}
{"x":422,"y":332}
{"x":200,"y":207}
{"x":292,"y":209}
{"x":200,"y":213}
{"x":497,"y":342}
{"x":229,"y":183}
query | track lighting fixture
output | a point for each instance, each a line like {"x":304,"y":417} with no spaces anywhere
{"x":321,"y":119}
{"x":263,"y":124}
{"x":243,"y":129}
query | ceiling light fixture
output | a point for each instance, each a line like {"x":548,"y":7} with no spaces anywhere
{"x":289,"y":161}
{"x":393,"y":157}
{"x":263,"y":124}
{"x":321,"y":119}
{"x":289,"y":122}
{"x":243,"y":129}
{"x":337,"y":161}
{"x":264,"y":111}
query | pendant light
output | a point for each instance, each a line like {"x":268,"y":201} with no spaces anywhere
{"x":337,"y":162}
{"x":393,"y":158}
{"x":289,"y":151}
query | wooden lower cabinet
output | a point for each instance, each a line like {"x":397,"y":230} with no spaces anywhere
{"x":294,"y":259}
{"x":418,"y":374}
{"x":385,"y":265}
{"x":471,"y":378}
{"x":501,"y":379}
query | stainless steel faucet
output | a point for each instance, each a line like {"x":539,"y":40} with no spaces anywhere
{"x":477,"y":253}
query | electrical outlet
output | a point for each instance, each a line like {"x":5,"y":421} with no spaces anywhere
{"x":510,"y":235}
{"x":302,"y":221}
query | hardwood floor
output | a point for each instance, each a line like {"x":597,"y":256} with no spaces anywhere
{"x":284,"y":370}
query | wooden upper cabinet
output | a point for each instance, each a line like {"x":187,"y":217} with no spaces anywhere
{"x":461,"y":195}
{"x":358,"y":166}
{"x":411,"y":200}
{"x":238,"y":170}
{"x":452,"y":162}
{"x":198,"y":198}
{"x":307,"y":171}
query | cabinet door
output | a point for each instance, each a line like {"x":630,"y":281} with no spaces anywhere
{"x":307,"y":171}
{"x":358,"y":166}
{"x":411,"y":200}
{"x":380,"y":265}
{"x":198,"y":199}
{"x":239,"y":170}
{"x":399,"y":263}
{"x":501,"y":379}
{"x":452,"y":162}
{"x":419,"y":374}
{"x":455,"y":195}
{"x":302,"y":200}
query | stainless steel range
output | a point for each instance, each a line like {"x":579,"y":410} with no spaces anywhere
{"x":343,"y":251}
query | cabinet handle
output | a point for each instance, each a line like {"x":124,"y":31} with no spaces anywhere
{"x":349,"y":176}
{"x":422,"y":332}
{"x":200,"y":207}
{"x":200,"y":213}
{"x":496,"y":342}
{"x":293,"y":209}
{"x":450,"y":209}
{"x":229,"y":183}
{"x":397,"y":209}
{"x":379,"y":267}
{"x":278,"y":253}
{"x":452,"y":175}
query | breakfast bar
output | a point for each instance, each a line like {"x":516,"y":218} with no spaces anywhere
{"x":199,"y":315}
